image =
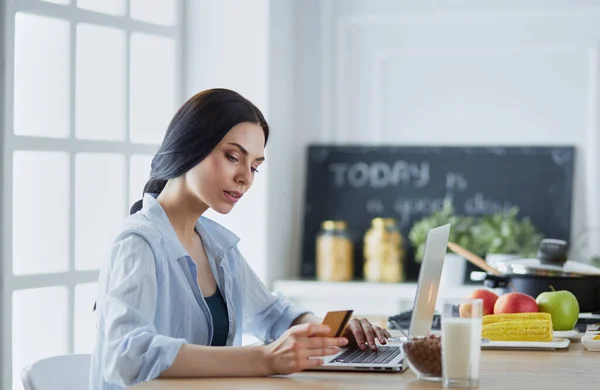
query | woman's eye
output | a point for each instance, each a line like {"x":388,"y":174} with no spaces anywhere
{"x":232,"y":158}
{"x":254,"y":170}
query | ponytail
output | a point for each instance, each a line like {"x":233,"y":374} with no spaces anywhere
{"x":153,"y":186}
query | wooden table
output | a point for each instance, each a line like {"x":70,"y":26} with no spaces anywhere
{"x":573,"y":368}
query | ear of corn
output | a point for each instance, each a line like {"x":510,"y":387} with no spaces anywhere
{"x":493,"y":318}
{"x":519,"y":330}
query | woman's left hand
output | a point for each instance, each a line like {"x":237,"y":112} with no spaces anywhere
{"x":362,"y":333}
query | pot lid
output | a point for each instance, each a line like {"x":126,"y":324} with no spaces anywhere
{"x":533,"y":266}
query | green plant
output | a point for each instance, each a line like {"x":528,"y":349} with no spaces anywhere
{"x":503,"y":232}
{"x":460,"y":231}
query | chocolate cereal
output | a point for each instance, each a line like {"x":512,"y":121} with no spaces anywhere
{"x":425,"y":354}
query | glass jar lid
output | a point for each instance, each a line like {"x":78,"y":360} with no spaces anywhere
{"x":334,"y":225}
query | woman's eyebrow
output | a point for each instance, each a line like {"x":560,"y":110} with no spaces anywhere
{"x":244,"y":151}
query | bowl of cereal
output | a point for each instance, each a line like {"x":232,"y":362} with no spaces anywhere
{"x":591,"y":341}
{"x":424,"y":356}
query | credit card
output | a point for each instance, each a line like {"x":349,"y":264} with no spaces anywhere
{"x":337,"y":321}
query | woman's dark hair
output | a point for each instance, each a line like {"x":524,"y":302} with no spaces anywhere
{"x":197,"y":127}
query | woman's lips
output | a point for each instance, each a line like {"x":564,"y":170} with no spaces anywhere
{"x":232,"y":196}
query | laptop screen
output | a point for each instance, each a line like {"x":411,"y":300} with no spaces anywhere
{"x":429,"y":281}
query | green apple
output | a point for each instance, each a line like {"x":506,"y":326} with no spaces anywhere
{"x":562,"y":306}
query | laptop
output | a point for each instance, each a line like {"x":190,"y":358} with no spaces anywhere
{"x":389,"y":357}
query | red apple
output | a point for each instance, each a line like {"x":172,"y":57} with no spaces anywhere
{"x":515,"y":302}
{"x":489,"y":299}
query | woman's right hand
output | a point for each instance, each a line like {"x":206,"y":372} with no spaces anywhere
{"x":301,"y":347}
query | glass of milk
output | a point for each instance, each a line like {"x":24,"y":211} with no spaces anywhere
{"x":461,"y":342}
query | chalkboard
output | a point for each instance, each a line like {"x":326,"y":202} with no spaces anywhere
{"x":357,"y":184}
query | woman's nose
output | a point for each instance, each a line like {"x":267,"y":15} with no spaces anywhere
{"x":245,"y":177}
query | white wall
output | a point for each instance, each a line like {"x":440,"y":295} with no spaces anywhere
{"x":283,"y":205}
{"x":427,"y":72}
{"x":456,"y":73}
{"x":227,"y":46}
{"x":3,"y":125}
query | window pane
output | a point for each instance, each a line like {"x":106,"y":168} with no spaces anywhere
{"x":85,"y":324}
{"x":40,"y":212}
{"x":152,"y":87}
{"x":43,"y":90}
{"x":99,"y":206}
{"x":100,"y":104}
{"x":139,"y":173}
{"x":39,"y":327}
{"x":155,"y":11}
{"x":58,"y":1}
{"x":111,"y":7}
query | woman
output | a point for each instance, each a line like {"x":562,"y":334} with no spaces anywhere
{"x":176,"y":287}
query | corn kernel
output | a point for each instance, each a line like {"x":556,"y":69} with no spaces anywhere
{"x":492,"y":318}
{"x":520,"y":330}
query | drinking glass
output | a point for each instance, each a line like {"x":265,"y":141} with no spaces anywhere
{"x":461,"y":342}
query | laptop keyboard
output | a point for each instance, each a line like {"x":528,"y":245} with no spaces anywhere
{"x":383,"y":355}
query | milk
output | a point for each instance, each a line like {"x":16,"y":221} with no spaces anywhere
{"x":461,"y":348}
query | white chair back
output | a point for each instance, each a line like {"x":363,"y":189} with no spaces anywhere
{"x":64,"y":372}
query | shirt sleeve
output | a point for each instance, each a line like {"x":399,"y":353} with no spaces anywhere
{"x":267,"y":315}
{"x":134,"y":352}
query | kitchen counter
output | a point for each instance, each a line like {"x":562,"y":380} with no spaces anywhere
{"x":365,"y":298}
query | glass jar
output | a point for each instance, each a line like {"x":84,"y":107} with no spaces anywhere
{"x":383,"y":252}
{"x":335,"y":262}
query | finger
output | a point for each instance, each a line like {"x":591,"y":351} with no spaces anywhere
{"x":316,"y":352}
{"x":318,"y":330}
{"x":387,"y":334}
{"x":357,"y":333}
{"x":324,"y":342}
{"x":369,"y":334}
{"x":310,"y":330}
{"x":380,"y":335}
{"x":312,"y":362}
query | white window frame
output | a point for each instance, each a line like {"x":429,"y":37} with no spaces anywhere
{"x":9,"y":142}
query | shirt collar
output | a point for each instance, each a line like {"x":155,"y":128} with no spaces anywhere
{"x":216,"y":239}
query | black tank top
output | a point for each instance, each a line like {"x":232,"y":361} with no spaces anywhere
{"x":218,"y":311}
